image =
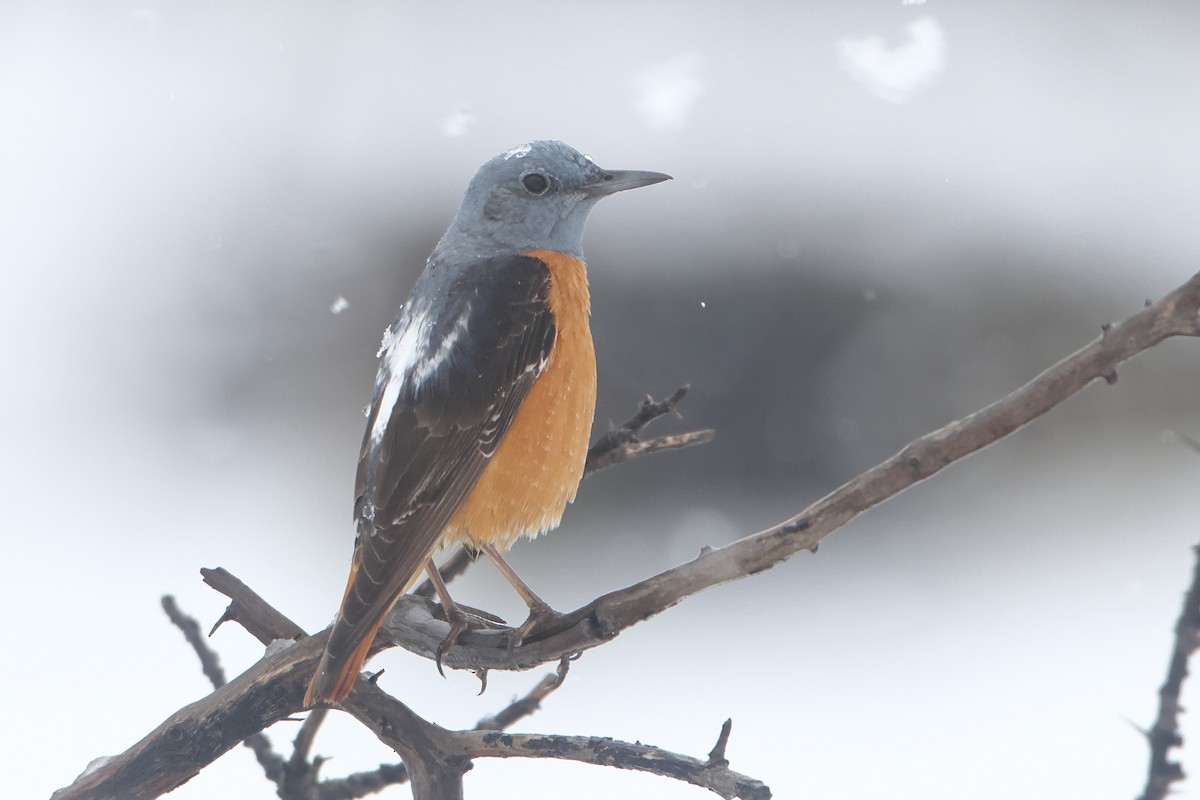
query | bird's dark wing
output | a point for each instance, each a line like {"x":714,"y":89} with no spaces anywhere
{"x":453,"y":372}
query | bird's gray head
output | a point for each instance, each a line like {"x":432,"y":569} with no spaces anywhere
{"x":536,"y":196}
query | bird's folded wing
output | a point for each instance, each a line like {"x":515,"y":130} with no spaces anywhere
{"x":450,"y":382}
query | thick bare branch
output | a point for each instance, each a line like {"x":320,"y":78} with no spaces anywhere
{"x":199,"y":733}
{"x":413,"y":626}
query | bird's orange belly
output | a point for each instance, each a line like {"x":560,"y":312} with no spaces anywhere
{"x":537,"y":467}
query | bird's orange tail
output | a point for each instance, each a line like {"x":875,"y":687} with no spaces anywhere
{"x":335,"y":675}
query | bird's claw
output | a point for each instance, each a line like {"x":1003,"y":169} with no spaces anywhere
{"x":540,"y":616}
{"x":458,"y":626}
{"x":462,"y":619}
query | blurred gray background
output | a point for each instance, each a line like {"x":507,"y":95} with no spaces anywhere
{"x":884,"y":215}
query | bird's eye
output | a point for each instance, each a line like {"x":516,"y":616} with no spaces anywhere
{"x":535,"y":183}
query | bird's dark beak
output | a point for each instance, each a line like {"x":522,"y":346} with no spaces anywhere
{"x":613,"y":181}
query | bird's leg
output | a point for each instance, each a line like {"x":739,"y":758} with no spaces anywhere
{"x":540,"y":611}
{"x":460,"y":620}
{"x":454,"y":615}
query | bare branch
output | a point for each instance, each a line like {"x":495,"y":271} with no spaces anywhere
{"x":299,"y":778}
{"x":526,"y":705}
{"x":361,"y":784}
{"x":249,"y":610}
{"x":209,"y":662}
{"x":622,"y":443}
{"x":385,"y":715}
{"x":602,"y":751}
{"x":1164,"y":735}
{"x":413,"y":626}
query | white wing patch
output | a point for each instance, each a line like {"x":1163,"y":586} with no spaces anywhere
{"x":398,"y":353}
{"x":435,"y":359}
{"x":408,"y":362}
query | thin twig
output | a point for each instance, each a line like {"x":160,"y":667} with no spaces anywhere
{"x":1164,"y":735}
{"x":622,"y":443}
{"x":602,"y":751}
{"x":525,"y":706}
{"x":676,"y":441}
{"x":210,"y":663}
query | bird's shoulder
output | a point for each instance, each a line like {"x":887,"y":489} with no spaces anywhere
{"x":468,"y":331}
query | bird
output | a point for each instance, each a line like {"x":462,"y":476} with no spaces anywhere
{"x":478,"y":427}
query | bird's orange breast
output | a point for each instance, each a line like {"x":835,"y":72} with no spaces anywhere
{"x":537,"y":467}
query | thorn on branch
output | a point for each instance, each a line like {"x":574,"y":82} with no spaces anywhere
{"x":221,"y":620}
{"x":1111,"y":377}
{"x":716,"y":757}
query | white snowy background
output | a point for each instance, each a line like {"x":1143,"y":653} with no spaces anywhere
{"x":885,"y":214}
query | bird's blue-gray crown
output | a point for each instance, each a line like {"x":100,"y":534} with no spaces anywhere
{"x":533,"y":197}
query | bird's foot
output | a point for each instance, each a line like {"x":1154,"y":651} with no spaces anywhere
{"x":463,"y":619}
{"x":541,"y":616}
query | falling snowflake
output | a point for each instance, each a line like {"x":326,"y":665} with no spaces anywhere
{"x":667,"y":93}
{"x":457,"y":122}
{"x":897,"y":74}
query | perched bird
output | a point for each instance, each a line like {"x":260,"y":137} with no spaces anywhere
{"x":483,"y":403}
